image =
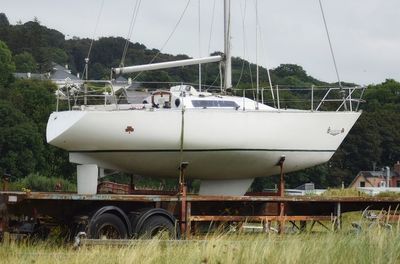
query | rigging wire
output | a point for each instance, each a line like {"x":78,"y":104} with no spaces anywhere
{"x":209,"y":39}
{"x":244,"y":50}
{"x":330,"y":44}
{"x":93,"y":36}
{"x":168,"y":39}
{"x":243,"y":14}
{"x":211,"y":28}
{"x":216,"y":78}
{"x":130,"y":31}
{"x":251,"y":75}
{"x":266,"y":66}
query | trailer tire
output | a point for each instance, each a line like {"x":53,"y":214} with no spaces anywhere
{"x":158,"y":225}
{"x":108,"y":226}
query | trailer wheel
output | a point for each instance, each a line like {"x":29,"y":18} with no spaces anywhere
{"x":158,"y":226}
{"x":108,"y":226}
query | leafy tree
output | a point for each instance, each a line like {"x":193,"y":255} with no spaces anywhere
{"x":4,"y":27}
{"x":384,"y":96}
{"x":388,"y":123}
{"x":25,"y":62}
{"x":294,"y":75}
{"x":35,"y":99}
{"x":20,"y":142}
{"x":319,"y":175}
{"x":77,"y":50}
{"x":7,"y":66}
{"x":4,"y":20}
{"x":49,"y":55}
{"x":99,"y":72}
{"x":361,"y":148}
{"x":285,"y":70}
{"x":36,"y":39}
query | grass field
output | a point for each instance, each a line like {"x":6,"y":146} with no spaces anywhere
{"x":377,"y":245}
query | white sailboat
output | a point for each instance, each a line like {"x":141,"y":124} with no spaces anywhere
{"x":226,"y":140}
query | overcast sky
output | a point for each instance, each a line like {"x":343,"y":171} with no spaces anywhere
{"x":365,"y":33}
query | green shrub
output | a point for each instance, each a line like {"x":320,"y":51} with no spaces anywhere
{"x":389,"y":194}
{"x":40,"y":183}
{"x":348,"y":192}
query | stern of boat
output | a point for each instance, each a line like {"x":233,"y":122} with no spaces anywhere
{"x":59,"y":123}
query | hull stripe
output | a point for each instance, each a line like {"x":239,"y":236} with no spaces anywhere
{"x":203,"y":150}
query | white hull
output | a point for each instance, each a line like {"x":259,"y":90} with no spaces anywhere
{"x":222,"y":144}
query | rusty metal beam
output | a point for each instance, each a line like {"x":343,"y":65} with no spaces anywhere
{"x":256,"y":218}
{"x":195,"y":198}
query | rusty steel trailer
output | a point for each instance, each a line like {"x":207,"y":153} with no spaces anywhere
{"x":126,"y":216}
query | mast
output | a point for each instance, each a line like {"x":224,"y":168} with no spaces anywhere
{"x":199,"y":28}
{"x":257,"y":69}
{"x":227,"y":44}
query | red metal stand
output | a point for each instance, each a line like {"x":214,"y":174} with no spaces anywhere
{"x":281,"y":193}
{"x":183,"y":196}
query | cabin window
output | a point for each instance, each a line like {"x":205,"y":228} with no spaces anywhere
{"x":362,"y":183}
{"x":397,"y":183}
{"x":214,"y":103}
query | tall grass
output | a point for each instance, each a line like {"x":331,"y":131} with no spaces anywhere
{"x":373,"y":246}
{"x":40,"y":183}
{"x":346,"y":192}
{"x":353,"y":192}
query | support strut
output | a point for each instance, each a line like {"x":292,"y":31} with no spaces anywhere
{"x":183,"y":195}
{"x":281,"y":193}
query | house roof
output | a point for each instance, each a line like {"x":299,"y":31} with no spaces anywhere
{"x":377,"y":174}
{"x":58,"y":67}
{"x":25,"y":75}
{"x":373,"y":174}
{"x":360,"y":174}
{"x":59,"y":72}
